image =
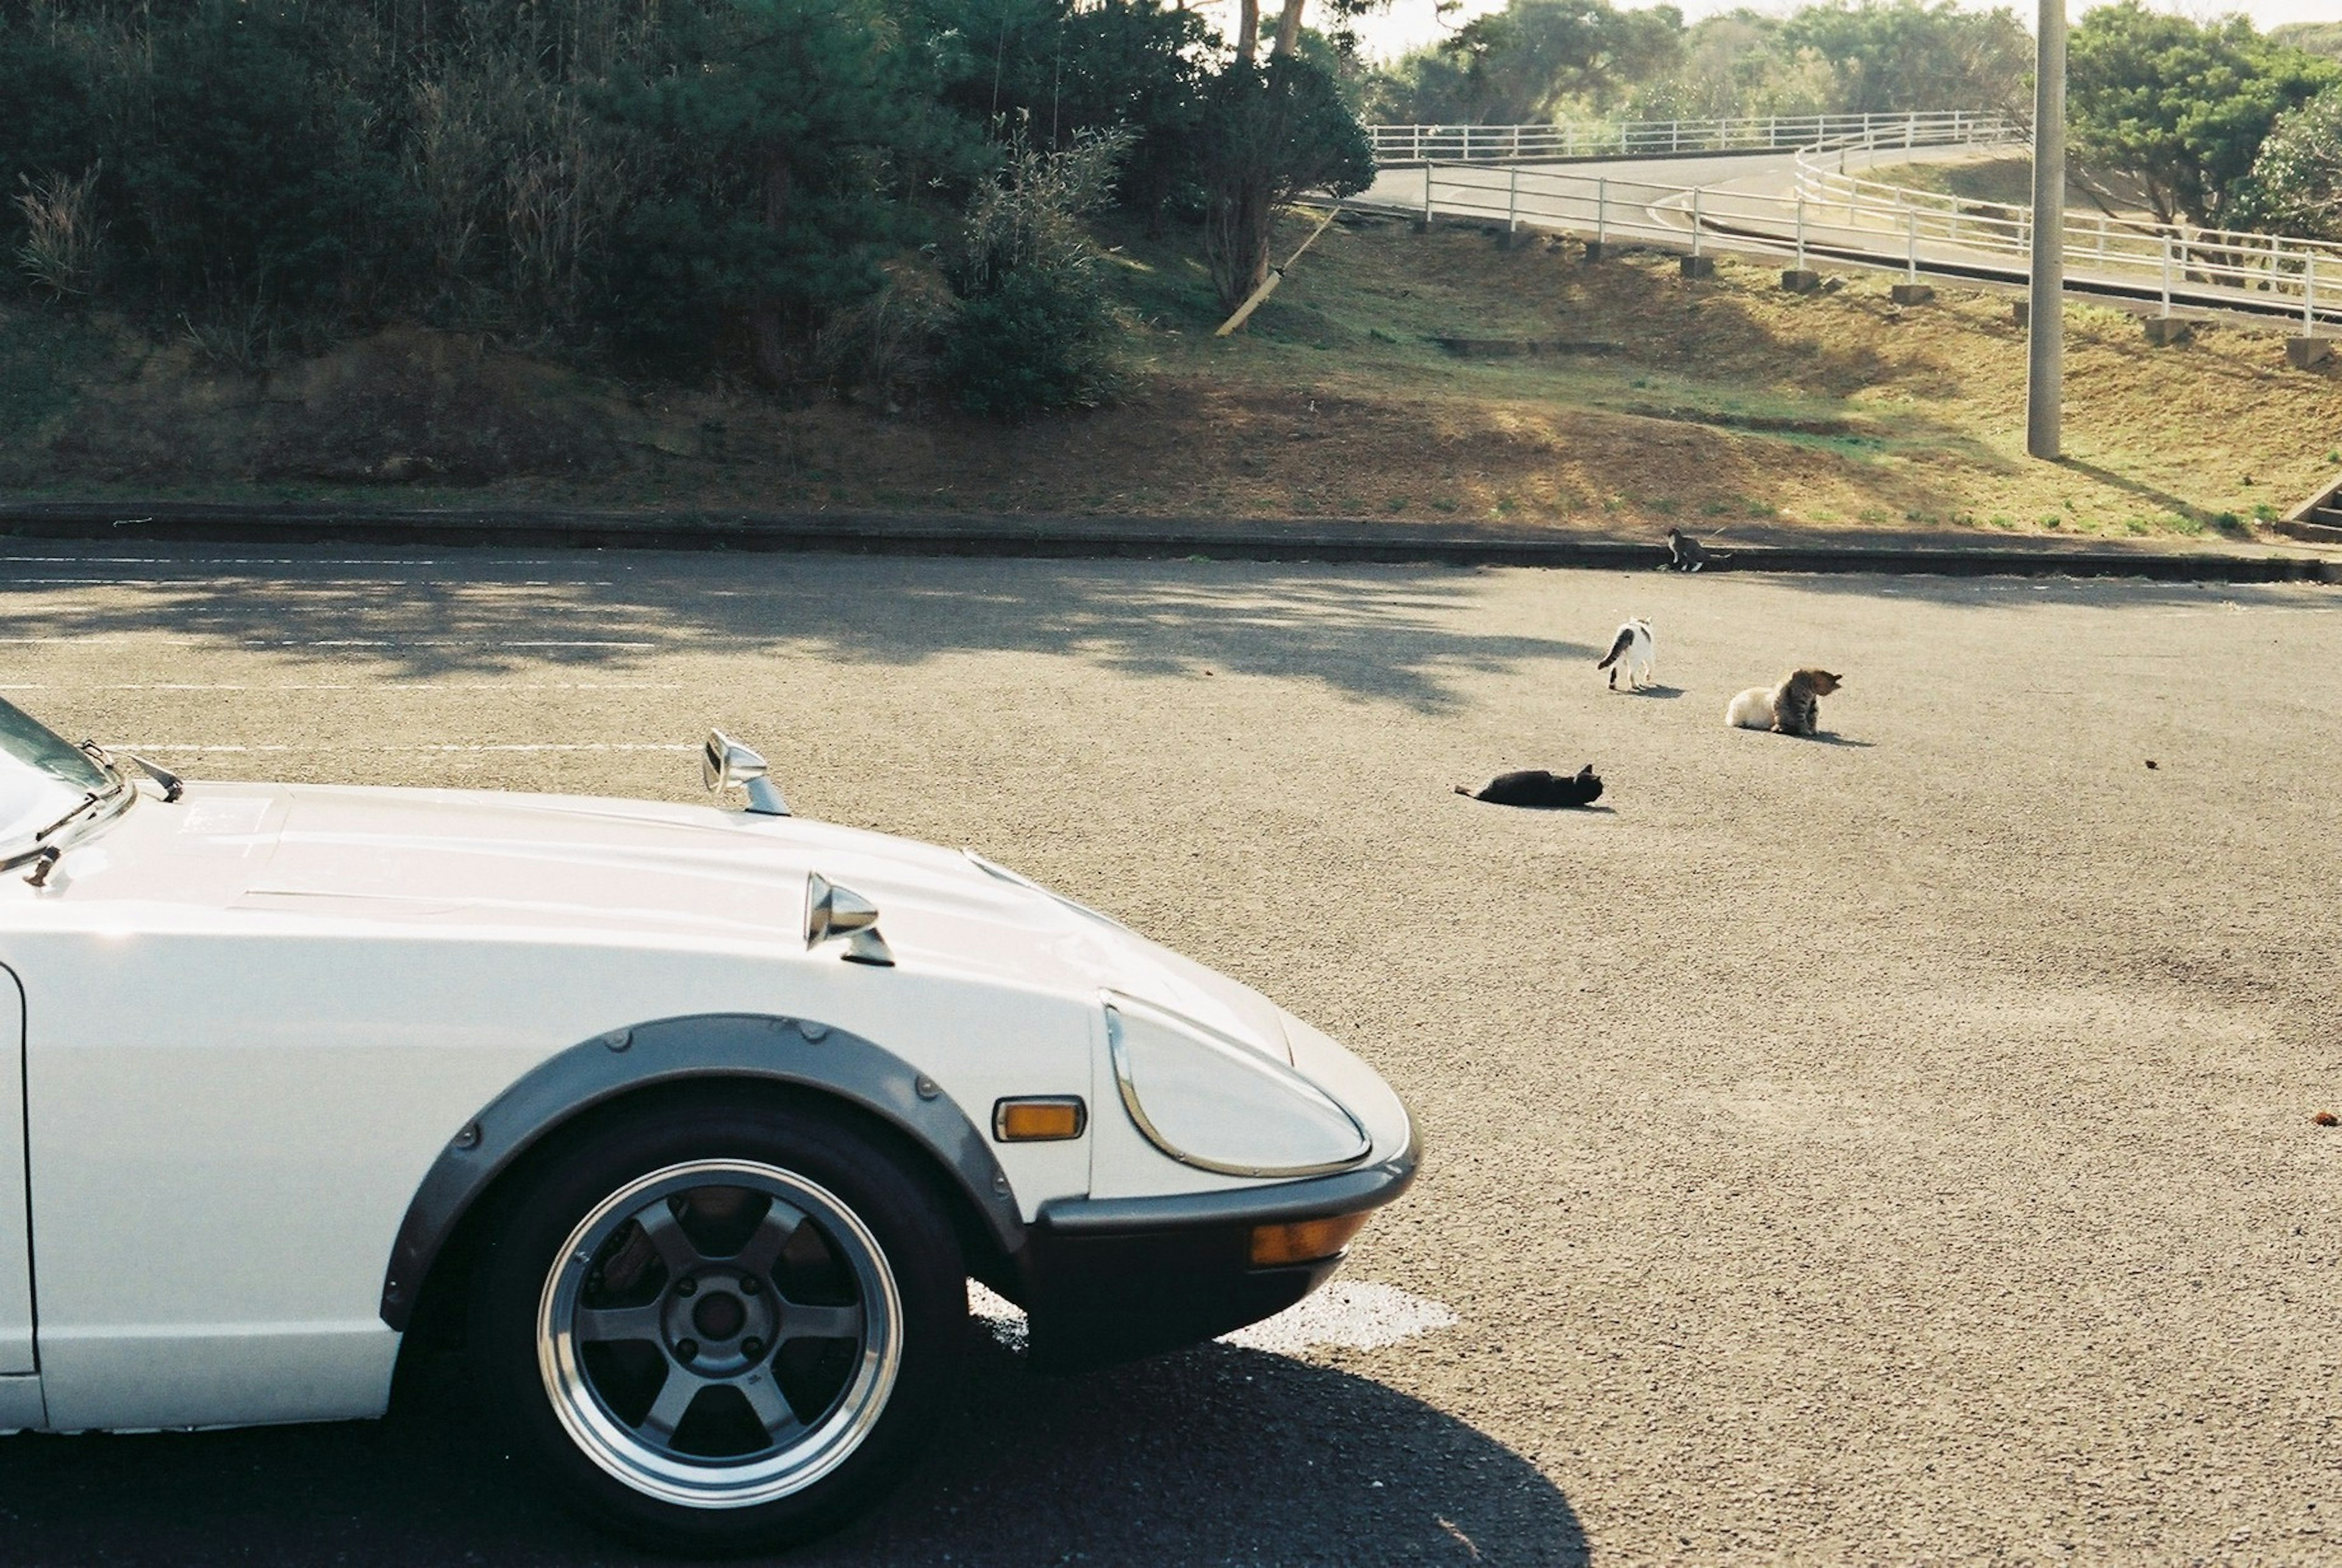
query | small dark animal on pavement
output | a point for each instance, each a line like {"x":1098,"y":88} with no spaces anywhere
{"x":1536,"y":787}
{"x":1686,"y":554}
{"x":2150,"y":761}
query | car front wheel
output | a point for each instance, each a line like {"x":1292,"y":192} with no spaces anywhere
{"x":722,"y":1330}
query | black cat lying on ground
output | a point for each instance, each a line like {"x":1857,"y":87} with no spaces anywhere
{"x":1536,"y":787}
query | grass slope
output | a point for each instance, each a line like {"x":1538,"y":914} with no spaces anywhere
{"x":1722,"y":401}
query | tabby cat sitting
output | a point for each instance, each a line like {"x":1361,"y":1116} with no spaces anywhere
{"x":1792,"y":708}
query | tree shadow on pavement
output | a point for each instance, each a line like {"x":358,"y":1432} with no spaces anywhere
{"x":1215,"y":1455}
{"x":1388,"y":633}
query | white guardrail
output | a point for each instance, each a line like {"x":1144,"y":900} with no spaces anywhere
{"x":2169,"y":261}
{"x":1826,"y":211}
{"x":1396,"y":145}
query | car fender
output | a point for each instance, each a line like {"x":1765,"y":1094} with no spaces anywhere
{"x":791,"y":1051}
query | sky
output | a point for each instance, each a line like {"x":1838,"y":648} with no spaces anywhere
{"x":1412,"y":23}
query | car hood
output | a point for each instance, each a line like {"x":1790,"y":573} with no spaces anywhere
{"x":585,"y":869}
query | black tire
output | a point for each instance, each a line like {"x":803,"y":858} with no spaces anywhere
{"x":580,"y":1306}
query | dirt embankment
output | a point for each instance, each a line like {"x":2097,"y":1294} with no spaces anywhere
{"x":1711,"y":403}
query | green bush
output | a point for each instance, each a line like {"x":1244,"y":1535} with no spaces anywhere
{"x":1033,"y":329}
{"x":1035,"y":341}
{"x":252,"y":187}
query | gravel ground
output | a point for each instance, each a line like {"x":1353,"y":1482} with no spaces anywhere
{"x":1892,"y":1147}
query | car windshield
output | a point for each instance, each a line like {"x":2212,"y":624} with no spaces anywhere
{"x":43,"y":777}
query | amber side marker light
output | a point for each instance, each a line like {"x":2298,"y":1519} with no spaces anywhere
{"x":1040,"y":1120}
{"x":1304,"y":1240}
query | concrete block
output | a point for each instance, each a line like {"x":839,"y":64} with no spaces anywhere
{"x":1698,"y":267}
{"x":1518,"y":239}
{"x":2166,"y":329}
{"x":2022,"y":313}
{"x":1800,"y":280}
{"x":2307,"y":353}
{"x":1911,"y":292}
{"x":1421,"y":225}
{"x":1594,"y":250}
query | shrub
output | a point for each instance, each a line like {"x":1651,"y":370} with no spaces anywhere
{"x":1034,"y":328}
{"x":255,"y":187}
{"x":60,"y":253}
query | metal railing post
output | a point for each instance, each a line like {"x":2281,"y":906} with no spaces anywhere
{"x":1601,"y":209}
{"x":1694,"y":220}
{"x":1467,"y":144}
{"x":2308,"y":293}
{"x":1911,"y":229}
{"x":2167,"y":274}
{"x":1427,"y":193}
{"x":1513,"y":200}
{"x":1801,"y":231}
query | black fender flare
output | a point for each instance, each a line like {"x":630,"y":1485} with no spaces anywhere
{"x":797,"y":1051}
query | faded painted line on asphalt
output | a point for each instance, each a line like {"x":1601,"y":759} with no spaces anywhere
{"x":254,"y":560}
{"x":369,"y":686}
{"x":247,"y":579}
{"x":530,"y":746}
{"x":1349,"y":1314}
{"x":330,"y":642}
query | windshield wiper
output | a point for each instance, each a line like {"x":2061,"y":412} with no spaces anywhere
{"x":94,"y":798}
{"x":174,"y":786}
{"x":47,"y":854}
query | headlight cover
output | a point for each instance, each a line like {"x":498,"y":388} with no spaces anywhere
{"x":1219,"y":1105}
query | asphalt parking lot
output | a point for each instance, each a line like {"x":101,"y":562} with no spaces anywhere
{"x":1893,"y":1147}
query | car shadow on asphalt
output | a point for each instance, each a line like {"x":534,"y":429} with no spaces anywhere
{"x":1213,"y":1455}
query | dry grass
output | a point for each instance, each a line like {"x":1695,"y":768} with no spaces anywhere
{"x":1728,"y":403}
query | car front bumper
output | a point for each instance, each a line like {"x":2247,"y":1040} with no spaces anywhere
{"x":1109,"y":1280}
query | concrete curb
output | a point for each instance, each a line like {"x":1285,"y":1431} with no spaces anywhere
{"x":1332,"y":540}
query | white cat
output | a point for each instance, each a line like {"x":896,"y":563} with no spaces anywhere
{"x":1631,"y":651}
{"x":1792,"y":708}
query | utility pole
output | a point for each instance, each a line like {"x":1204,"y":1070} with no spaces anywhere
{"x":2045,"y":368}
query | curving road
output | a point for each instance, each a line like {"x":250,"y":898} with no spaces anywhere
{"x":1748,"y":204}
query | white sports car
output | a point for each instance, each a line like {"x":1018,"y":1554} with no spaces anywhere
{"x":690,"y":1123}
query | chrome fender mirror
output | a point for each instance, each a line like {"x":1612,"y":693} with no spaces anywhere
{"x":724,"y":762}
{"x":834,"y":911}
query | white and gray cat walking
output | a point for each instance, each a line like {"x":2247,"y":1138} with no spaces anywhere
{"x":1633,"y":650}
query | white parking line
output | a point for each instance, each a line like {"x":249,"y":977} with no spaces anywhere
{"x":348,"y":686}
{"x":254,"y":560}
{"x":332,"y":642}
{"x":181,"y":748}
{"x":1349,"y":1314}
{"x":244,"y":579}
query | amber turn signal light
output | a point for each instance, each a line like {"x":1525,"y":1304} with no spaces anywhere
{"x":1304,"y":1240}
{"x":1039,"y":1120}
